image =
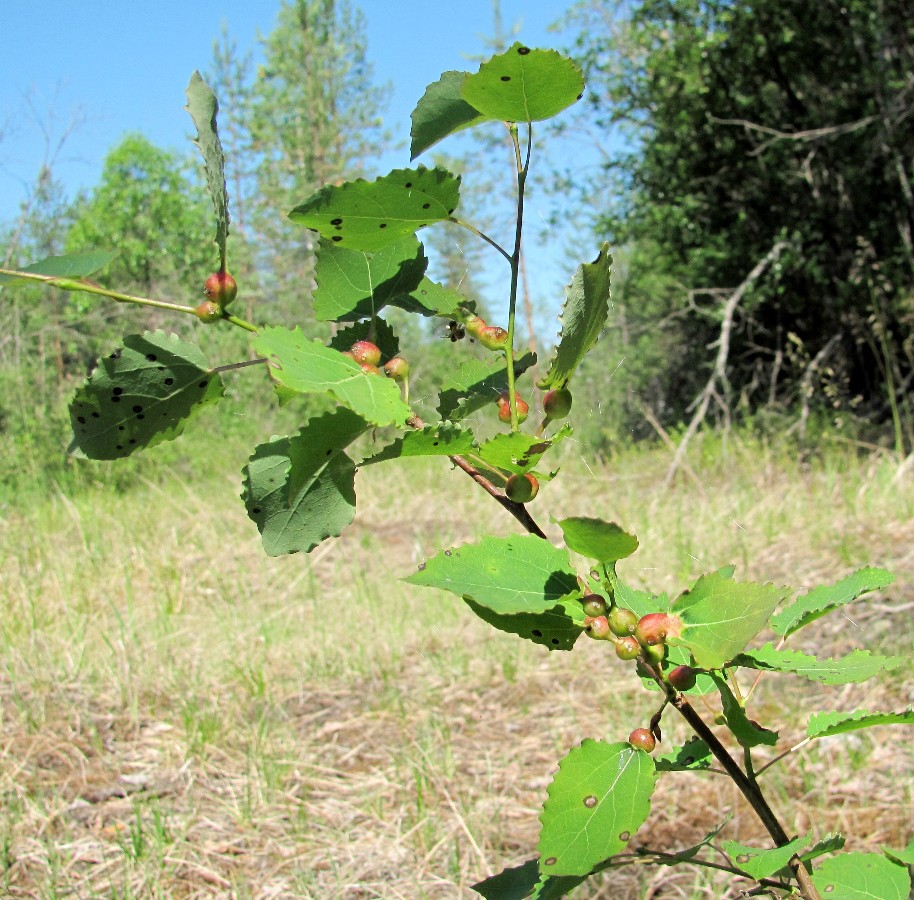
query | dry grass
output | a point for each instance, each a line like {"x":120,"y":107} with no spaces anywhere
{"x":183,"y":717}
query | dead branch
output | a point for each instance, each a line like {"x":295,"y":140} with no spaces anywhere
{"x":719,"y":372}
{"x":806,"y":389}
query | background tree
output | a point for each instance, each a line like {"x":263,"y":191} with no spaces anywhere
{"x":755,"y":123}
{"x":314,"y":119}
{"x":148,"y":207}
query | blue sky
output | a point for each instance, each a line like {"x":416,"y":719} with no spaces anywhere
{"x":124,"y":66}
{"x":120,"y":67}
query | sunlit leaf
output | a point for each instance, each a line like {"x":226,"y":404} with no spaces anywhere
{"x":583,"y":317}
{"x":432,"y":299}
{"x":821,"y":600}
{"x":73,"y":265}
{"x":825,"y":724}
{"x":760,"y":862}
{"x":857,"y":666}
{"x":523,"y":85}
{"x":862,"y":876}
{"x":598,"y":799}
{"x":602,"y":541}
{"x":433,"y":440}
{"x":309,"y":367}
{"x":203,"y":107}
{"x":721,"y":616}
{"x":141,"y":394}
{"x":518,"y":452}
{"x":518,"y":574}
{"x":367,"y":215}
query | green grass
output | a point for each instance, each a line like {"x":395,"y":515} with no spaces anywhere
{"x":183,"y":716}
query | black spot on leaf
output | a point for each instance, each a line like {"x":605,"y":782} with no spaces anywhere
{"x":426,"y":205}
{"x":523,"y":51}
{"x":336,"y":222}
{"x":505,"y":77}
{"x":117,"y":391}
{"x":137,"y":408}
{"x":337,"y":238}
{"x":151,"y":357}
{"x":537,"y":632}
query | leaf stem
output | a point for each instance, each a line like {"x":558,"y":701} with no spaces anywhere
{"x":518,"y":510}
{"x":522,"y":169}
{"x":90,"y":287}
{"x":482,"y":235}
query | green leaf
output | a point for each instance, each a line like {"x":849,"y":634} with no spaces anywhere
{"x":517,"y":574}
{"x":557,"y":628}
{"x":363,"y":215}
{"x":825,"y":724}
{"x":639,"y":602}
{"x":73,"y":265}
{"x":375,"y":330}
{"x":747,"y":732}
{"x":693,"y":754}
{"x":597,"y":800}
{"x":829,"y":844}
{"x":433,"y":440}
{"x":358,"y":284}
{"x":203,"y":106}
{"x":860,"y":665}
{"x":518,"y":452}
{"x":523,"y":85}
{"x":431,"y":299}
{"x":478,"y":383}
{"x":721,"y":616}
{"x":441,"y":111}
{"x":862,"y":876}
{"x":524,"y":881}
{"x":821,"y":600}
{"x":309,"y":367}
{"x":603,"y":541}
{"x":691,"y":852}
{"x":905,"y":857}
{"x":583,"y":317}
{"x":300,"y":490}
{"x":141,"y":394}
{"x":759,"y":862}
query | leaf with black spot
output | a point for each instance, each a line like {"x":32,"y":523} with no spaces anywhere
{"x":523,"y":85}
{"x":300,"y":490}
{"x":368,"y":215}
{"x":443,"y":439}
{"x":141,"y":394}
{"x":557,"y":628}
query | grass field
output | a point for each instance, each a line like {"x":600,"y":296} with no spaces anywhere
{"x":184,"y":717}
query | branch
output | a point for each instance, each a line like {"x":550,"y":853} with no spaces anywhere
{"x":719,"y":372}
